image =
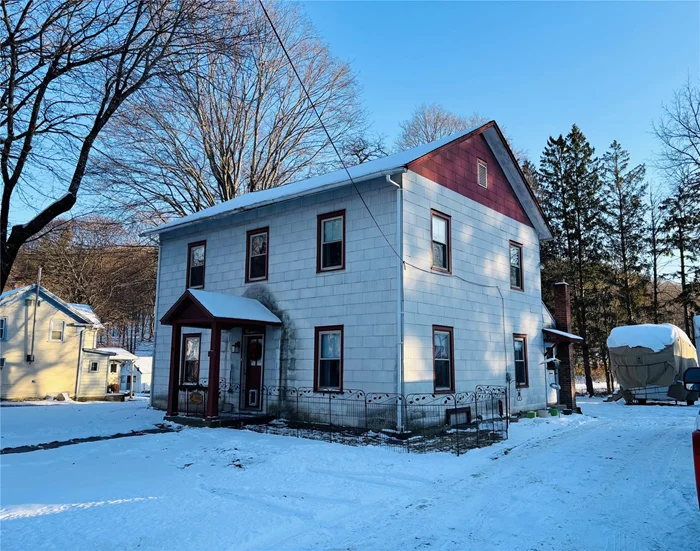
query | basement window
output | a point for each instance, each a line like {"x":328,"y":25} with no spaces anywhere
{"x":482,"y":170}
{"x":57,"y":329}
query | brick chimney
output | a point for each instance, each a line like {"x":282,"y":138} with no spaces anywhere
{"x":565,"y":351}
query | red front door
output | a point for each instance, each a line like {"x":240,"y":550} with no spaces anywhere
{"x":253,"y":371}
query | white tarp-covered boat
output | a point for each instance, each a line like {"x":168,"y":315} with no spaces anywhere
{"x":649,"y":361}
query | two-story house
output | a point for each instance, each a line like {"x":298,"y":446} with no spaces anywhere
{"x":414,"y":273}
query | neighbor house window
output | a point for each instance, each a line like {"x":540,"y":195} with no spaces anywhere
{"x":520,"y":353}
{"x":516,"y":266}
{"x":57,"y":330}
{"x":113,"y":367}
{"x":196,"y":256}
{"x":256,"y":255}
{"x":482,"y":173}
{"x":330,"y":254}
{"x":3,"y":329}
{"x":443,"y":359}
{"x":93,"y":367}
{"x":329,"y":358}
{"x":190,"y":358}
{"x":440,"y":236}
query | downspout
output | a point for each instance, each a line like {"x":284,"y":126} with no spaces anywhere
{"x":399,"y":300}
{"x":80,"y":362}
{"x":30,"y":358}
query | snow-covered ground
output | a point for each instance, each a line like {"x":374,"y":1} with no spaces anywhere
{"x":618,"y":478}
{"x":27,"y":423}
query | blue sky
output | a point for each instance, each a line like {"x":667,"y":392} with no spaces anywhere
{"x":535,"y":67}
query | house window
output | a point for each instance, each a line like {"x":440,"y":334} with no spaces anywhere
{"x":329,"y":358}
{"x":516,"y":266}
{"x":196,"y":255}
{"x":3,"y":329}
{"x":57,"y":330}
{"x":113,"y":367}
{"x":256,"y":255}
{"x":93,"y":367}
{"x":330,"y":254}
{"x":520,"y":354}
{"x":482,"y":171}
{"x":440,"y":236}
{"x":2,"y":363}
{"x":443,"y":359}
{"x":190,"y":358}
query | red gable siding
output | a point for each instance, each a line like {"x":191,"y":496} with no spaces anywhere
{"x":455,"y":167}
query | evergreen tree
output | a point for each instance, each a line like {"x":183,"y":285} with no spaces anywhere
{"x":681,"y":227}
{"x":625,"y":226}
{"x":571,"y":198}
{"x":656,"y":250}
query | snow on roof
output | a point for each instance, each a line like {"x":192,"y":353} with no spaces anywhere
{"x":365,"y":171}
{"x":88,"y":312}
{"x":82,"y":312}
{"x":231,"y":306}
{"x":647,"y":335}
{"x":563,"y":334}
{"x":116,"y":353}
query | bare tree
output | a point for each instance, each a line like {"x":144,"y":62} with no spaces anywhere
{"x":430,"y":122}
{"x":360,"y":149}
{"x":678,"y":130}
{"x":66,"y":68}
{"x":237,"y":123}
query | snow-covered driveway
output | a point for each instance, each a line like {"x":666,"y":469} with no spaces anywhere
{"x":619,"y":478}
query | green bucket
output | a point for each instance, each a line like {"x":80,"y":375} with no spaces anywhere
{"x":531,"y":414}
{"x":553,"y":412}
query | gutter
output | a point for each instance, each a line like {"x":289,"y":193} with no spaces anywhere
{"x":301,"y":193}
{"x":399,"y":298}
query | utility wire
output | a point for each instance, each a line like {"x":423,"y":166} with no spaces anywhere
{"x":345,"y":167}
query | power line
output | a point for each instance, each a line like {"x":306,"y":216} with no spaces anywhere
{"x":342,"y":162}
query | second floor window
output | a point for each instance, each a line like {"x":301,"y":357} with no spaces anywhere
{"x":257,"y":255}
{"x":196,"y":256}
{"x":440,"y":236}
{"x":3,"y":329}
{"x":516,"y":266}
{"x":331,"y":242}
{"x":94,"y":367}
{"x":57,"y":330}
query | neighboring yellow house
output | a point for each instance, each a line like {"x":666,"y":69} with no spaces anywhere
{"x":63,"y":358}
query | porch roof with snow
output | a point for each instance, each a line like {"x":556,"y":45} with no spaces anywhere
{"x":391,"y":164}
{"x":557,"y":336}
{"x":196,"y":308}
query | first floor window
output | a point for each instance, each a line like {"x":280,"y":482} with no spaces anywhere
{"x":3,"y":329}
{"x":520,"y":353}
{"x":516,"y":266}
{"x":57,"y":330}
{"x":190,"y":358}
{"x":331,"y":241}
{"x":93,"y":367}
{"x":196,"y":256}
{"x":440,"y":232}
{"x":329,"y":358}
{"x":113,"y":367}
{"x":257,"y":255}
{"x":443,"y":352}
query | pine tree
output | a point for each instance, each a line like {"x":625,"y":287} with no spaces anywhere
{"x":656,"y":250}
{"x":681,"y":227}
{"x":571,"y":198}
{"x":625,"y":226}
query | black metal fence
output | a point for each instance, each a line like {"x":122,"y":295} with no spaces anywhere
{"x":453,"y":422}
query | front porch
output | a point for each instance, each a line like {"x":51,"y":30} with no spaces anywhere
{"x":211,"y":396}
